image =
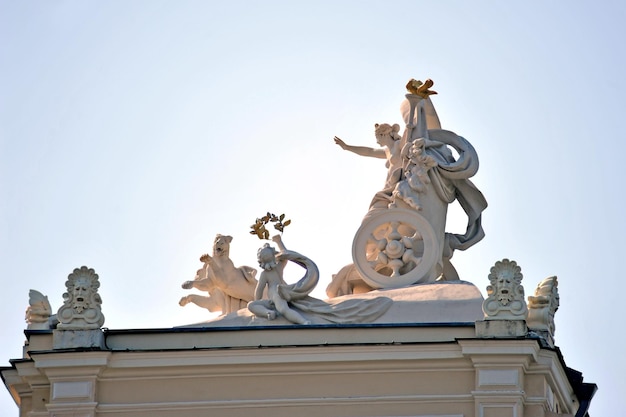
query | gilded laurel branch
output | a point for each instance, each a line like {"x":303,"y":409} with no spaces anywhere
{"x":259,"y":227}
{"x":420,"y":88}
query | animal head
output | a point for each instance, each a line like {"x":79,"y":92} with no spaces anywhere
{"x":221,"y":245}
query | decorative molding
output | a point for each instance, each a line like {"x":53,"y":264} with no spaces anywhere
{"x":498,"y":377}
{"x":72,"y":390}
{"x":499,"y":410}
{"x":72,"y":409}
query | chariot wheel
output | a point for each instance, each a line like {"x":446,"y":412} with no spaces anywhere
{"x":395,"y":248}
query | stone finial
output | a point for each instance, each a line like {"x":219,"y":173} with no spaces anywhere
{"x":81,"y":306}
{"x":542,"y":306}
{"x":505,"y":299}
{"x":39,"y":311}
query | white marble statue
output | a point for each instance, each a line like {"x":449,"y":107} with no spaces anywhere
{"x":505,"y":294}
{"x":216,"y":301}
{"x":279,"y":294}
{"x":390,"y":141}
{"x":347,"y":281}
{"x":292,"y":301}
{"x":39,"y":312}
{"x":402,"y":239}
{"x":543,"y":305}
{"x":230,"y":288}
{"x":81,"y":307}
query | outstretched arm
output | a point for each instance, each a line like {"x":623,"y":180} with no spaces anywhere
{"x":361,"y":150}
{"x":282,"y":260}
{"x":279,"y":242}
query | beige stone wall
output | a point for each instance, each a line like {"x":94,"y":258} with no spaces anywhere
{"x":445,"y":377}
{"x":315,"y":381}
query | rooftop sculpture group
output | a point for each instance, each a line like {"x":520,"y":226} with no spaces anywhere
{"x":401,"y":242}
{"x":402,"y":239}
{"x":424,"y":319}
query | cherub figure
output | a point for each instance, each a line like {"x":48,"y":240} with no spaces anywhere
{"x":272,"y":265}
{"x":293,"y":302}
{"x":418,"y":163}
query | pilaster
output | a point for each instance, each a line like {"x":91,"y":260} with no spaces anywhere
{"x":500,"y":375}
{"x":29,"y":388}
{"x":73,"y":379}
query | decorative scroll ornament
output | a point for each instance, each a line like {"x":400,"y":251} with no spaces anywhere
{"x":543,"y":305}
{"x":505,"y":299}
{"x":81,"y":307}
{"x":38,"y":312}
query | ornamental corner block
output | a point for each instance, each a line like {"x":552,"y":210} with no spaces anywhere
{"x":80,"y":317}
{"x":505,"y":308}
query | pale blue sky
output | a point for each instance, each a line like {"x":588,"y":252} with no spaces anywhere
{"x":132,"y":132}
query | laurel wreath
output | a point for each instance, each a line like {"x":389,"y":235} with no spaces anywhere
{"x":259,"y":229}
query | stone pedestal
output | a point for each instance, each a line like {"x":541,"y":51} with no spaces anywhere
{"x":500,"y":329}
{"x":70,"y":339}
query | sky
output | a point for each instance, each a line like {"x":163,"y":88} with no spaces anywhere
{"x":131,"y":133}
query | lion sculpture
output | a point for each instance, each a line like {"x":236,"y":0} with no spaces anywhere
{"x":230,"y":288}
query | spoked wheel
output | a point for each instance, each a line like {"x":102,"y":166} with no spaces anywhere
{"x":395,"y":248}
